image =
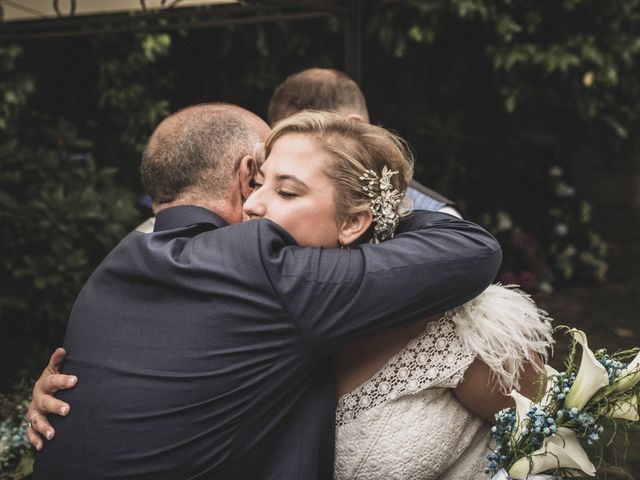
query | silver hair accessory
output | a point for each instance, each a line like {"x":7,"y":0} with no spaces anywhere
{"x":384,"y":202}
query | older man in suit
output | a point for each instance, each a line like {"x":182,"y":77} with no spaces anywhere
{"x":205,"y":350}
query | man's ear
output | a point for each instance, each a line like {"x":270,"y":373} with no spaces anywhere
{"x":354,"y":226}
{"x":356,"y":117}
{"x":246,"y":173}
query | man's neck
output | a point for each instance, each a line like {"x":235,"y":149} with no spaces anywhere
{"x":222,"y":208}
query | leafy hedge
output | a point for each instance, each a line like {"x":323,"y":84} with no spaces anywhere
{"x":60,"y":213}
{"x":495,"y":95}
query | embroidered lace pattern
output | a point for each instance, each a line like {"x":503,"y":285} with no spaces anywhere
{"x":436,"y":358}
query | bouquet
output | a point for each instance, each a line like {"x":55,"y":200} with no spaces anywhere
{"x":543,"y":439}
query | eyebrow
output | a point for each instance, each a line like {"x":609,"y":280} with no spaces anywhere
{"x":291,"y":178}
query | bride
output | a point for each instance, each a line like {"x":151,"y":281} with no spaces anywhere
{"x":413,"y":402}
{"x":404,"y":410}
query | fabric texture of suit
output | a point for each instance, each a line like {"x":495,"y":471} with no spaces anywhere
{"x":205,"y":352}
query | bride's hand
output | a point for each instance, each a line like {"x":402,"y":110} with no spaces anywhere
{"x":43,"y":402}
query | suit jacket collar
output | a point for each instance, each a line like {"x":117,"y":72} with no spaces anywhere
{"x":184,"y":216}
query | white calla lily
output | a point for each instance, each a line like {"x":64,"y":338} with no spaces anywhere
{"x":549,"y":370}
{"x":591,"y":377}
{"x":523,"y":405}
{"x":562,"y":450}
{"x":629,"y":376}
{"x":626,"y":410}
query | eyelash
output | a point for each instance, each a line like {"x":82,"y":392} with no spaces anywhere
{"x":284,"y":194}
{"x":287,"y":195}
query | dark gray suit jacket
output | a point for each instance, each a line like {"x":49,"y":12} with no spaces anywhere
{"x":205,"y":352}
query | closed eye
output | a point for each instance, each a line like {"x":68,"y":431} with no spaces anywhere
{"x":286,"y":194}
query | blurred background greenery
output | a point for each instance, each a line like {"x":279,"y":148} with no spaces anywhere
{"x":526,"y":113}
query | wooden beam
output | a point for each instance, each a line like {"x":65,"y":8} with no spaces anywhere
{"x":353,"y":40}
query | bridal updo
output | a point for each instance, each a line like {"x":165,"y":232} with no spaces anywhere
{"x":358,"y":150}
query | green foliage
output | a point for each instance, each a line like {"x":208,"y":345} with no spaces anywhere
{"x":15,"y":451}
{"x":567,"y":249}
{"x":582,"y":52}
{"x":15,"y":87}
{"x":497,"y":93}
{"x":243,"y":64}
{"x":130,"y":91}
{"x":576,"y":251}
{"x":59,"y":215}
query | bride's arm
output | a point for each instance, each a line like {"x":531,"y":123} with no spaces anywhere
{"x":510,"y":337}
{"x":480,"y":393}
{"x":44,"y":403}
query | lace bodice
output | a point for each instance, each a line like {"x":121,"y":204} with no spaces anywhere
{"x":404,"y":422}
{"x":425,"y":436}
{"x":436,"y":358}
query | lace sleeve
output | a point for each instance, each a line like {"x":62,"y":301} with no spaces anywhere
{"x":436,"y":358}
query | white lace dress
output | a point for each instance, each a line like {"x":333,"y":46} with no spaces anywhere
{"x":405,"y":422}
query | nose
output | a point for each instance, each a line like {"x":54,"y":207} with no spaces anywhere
{"x":254,"y":206}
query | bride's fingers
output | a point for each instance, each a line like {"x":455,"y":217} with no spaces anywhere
{"x":43,"y":402}
{"x":51,"y":383}
{"x":56,"y":359}
{"x":51,"y":379}
{"x":49,"y":404}
{"x":34,"y":438}
{"x":38,"y":424}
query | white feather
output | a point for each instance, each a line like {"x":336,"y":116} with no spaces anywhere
{"x":505,"y":328}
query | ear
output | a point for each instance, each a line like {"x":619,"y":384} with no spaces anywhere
{"x":356,"y":118}
{"x":246,"y":173}
{"x":354,"y":226}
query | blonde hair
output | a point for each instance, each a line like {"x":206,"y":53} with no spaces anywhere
{"x":356,"y":147}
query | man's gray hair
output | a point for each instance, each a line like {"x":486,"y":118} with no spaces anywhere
{"x":196,"y":151}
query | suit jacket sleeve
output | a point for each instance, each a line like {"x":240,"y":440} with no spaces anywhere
{"x":434,"y":263}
